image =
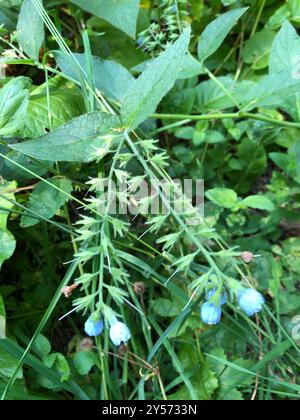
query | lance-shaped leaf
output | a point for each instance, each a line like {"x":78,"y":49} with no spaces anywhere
{"x":30,"y":29}
{"x":76,"y":141}
{"x":146,"y":92}
{"x":285,"y":51}
{"x":215,"y":33}
{"x":120,"y":13}
{"x":285,"y":56}
{"x":110,"y":77}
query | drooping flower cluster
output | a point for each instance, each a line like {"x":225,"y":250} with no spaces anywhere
{"x":211,"y":312}
{"x":249,"y":300}
{"x":119,"y":332}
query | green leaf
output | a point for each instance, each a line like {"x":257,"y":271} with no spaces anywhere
{"x":30,"y":29}
{"x":7,"y":241}
{"x":59,"y":362}
{"x":190,"y":67}
{"x":166,"y":307}
{"x":257,"y":49}
{"x":110,"y":77}
{"x":11,"y":171}
{"x":84,"y":361}
{"x":285,"y":49}
{"x":120,"y":13}
{"x":42,"y":345}
{"x":285,"y":56}
{"x":146,"y":92}
{"x":282,"y":160}
{"x":211,"y":98}
{"x":259,"y":202}
{"x":7,"y":18}
{"x":11,"y":3}
{"x":46,"y":201}
{"x":4,"y":203}
{"x":8,"y":365}
{"x":278,"y":18}
{"x":272,"y":90}
{"x":223,"y":197}
{"x":75,"y":141}
{"x":201,"y":375}
{"x":64,"y":104}
{"x":13,"y":105}
{"x":215,"y":33}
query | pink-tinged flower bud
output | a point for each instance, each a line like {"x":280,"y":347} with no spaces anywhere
{"x":247,"y":257}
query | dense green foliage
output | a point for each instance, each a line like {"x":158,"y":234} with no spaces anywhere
{"x":154,"y":90}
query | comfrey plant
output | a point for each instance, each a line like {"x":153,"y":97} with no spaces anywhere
{"x":112,"y":135}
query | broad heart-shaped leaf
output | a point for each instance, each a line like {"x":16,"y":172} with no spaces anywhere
{"x":215,"y":33}
{"x":13,"y":105}
{"x":45,"y":200}
{"x":120,"y":13}
{"x":30,"y":29}
{"x":146,"y":92}
{"x":110,"y":77}
{"x":75,"y":141}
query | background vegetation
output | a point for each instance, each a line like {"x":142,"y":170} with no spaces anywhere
{"x":228,"y":112}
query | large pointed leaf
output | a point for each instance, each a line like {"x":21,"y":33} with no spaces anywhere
{"x":285,"y":50}
{"x":285,"y":56}
{"x":146,"y":92}
{"x":215,"y":33}
{"x":120,"y":13}
{"x":75,"y":141}
{"x":30,"y":29}
{"x":110,"y":77}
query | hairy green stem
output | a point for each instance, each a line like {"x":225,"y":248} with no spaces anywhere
{"x":224,"y":116}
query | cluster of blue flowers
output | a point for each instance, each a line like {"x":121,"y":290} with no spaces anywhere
{"x":250,"y":301}
{"x":119,"y":332}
